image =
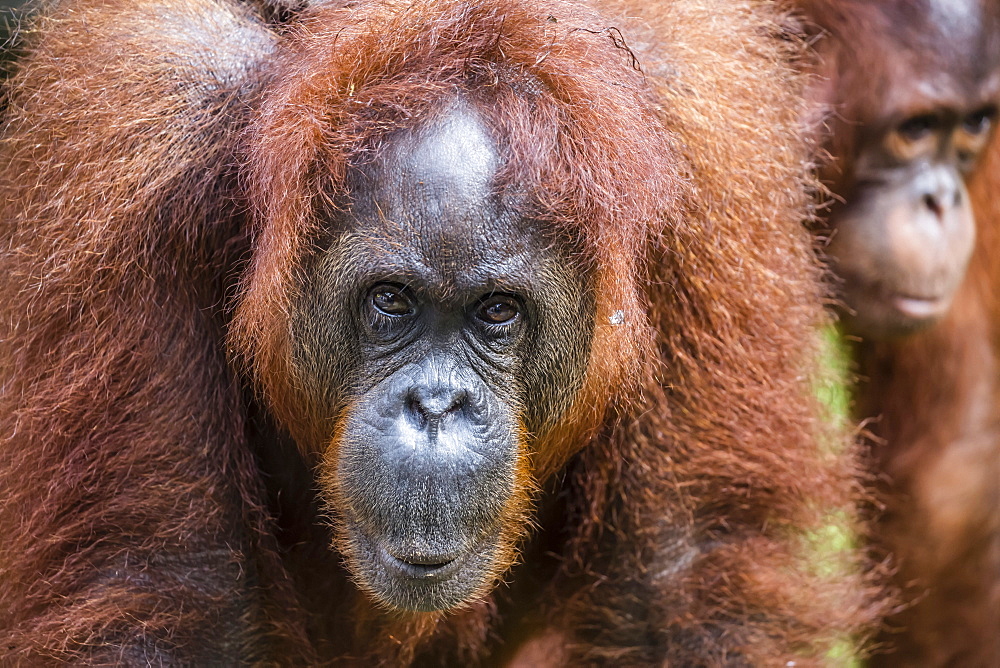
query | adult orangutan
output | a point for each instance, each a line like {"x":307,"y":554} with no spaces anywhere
{"x":481,"y":273}
{"x":915,"y":88}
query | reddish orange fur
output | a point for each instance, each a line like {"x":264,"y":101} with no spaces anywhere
{"x":937,"y":450}
{"x":676,"y":493}
{"x":929,"y":401}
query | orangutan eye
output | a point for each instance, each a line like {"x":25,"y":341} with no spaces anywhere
{"x":498,"y":310}
{"x":391,"y":300}
{"x":979,"y":122}
{"x":916,"y":128}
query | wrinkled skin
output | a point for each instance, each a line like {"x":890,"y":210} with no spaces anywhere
{"x":441,"y":326}
{"x":306,"y":303}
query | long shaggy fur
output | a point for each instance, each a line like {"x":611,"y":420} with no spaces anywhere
{"x":153,"y":146}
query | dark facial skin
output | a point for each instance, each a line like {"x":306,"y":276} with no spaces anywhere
{"x":905,"y":234}
{"x":439,"y":331}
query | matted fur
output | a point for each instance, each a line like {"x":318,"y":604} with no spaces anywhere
{"x":152,"y":144}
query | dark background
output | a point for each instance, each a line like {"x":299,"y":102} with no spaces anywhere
{"x":10,"y":11}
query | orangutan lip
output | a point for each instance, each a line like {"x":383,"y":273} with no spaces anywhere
{"x":919,"y":307}
{"x":420,"y":568}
